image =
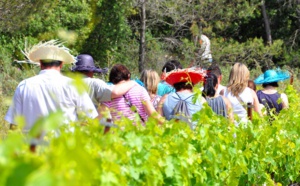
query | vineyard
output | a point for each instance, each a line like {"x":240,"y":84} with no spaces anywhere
{"x":215,"y":153}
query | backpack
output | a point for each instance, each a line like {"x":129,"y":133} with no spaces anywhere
{"x":181,"y":111}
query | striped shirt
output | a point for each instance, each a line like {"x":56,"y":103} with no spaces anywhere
{"x":119,"y":106}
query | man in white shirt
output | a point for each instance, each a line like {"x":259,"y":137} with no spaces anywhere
{"x":214,"y":69}
{"x":98,"y":90}
{"x":49,"y":91}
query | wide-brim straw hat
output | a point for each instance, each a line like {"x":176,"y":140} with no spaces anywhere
{"x":184,"y":75}
{"x":51,"y":50}
{"x":271,"y":76}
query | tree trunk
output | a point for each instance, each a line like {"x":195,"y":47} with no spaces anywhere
{"x":267,"y":23}
{"x":142,"y":49}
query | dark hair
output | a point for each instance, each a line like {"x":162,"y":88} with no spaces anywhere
{"x":273,"y":84}
{"x":251,"y":85}
{"x":214,"y":68}
{"x":118,"y":73}
{"x":183,"y":85}
{"x":171,"y":65}
{"x":52,"y":63}
{"x":210,"y":82}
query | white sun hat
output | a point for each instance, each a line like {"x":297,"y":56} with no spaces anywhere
{"x":49,"y":51}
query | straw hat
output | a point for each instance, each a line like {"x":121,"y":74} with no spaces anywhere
{"x":50,"y":50}
{"x":271,"y":76}
{"x":184,"y":75}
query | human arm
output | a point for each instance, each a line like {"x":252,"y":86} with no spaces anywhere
{"x":120,"y":89}
{"x":161,"y":103}
{"x":285,"y":101}
{"x":256,"y":106}
{"x":228,"y":109}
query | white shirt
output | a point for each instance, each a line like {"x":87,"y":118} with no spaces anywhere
{"x":237,"y":107}
{"x":48,"y":92}
{"x":98,"y":91}
{"x":220,"y":88}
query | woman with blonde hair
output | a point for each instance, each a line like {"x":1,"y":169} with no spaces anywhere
{"x":150,"y":78}
{"x":238,"y":92}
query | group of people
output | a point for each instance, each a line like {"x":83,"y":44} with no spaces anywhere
{"x":50,"y":91}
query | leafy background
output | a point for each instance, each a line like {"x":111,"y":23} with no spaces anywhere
{"x":216,"y":153}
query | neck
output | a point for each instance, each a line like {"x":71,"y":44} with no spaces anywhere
{"x":51,"y":68}
{"x":186,"y":90}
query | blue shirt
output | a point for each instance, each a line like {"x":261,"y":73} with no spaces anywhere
{"x":164,"y":88}
{"x":172,"y":99}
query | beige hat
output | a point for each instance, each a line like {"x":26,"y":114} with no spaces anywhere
{"x":50,"y":50}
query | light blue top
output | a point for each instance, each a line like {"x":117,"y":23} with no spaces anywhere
{"x":164,"y":88}
{"x":171,"y":101}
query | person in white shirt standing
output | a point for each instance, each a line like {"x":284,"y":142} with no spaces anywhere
{"x":49,"y":91}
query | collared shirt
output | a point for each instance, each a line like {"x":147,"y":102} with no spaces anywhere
{"x":48,"y":92}
{"x":98,"y":91}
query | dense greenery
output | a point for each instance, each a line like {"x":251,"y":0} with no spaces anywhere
{"x":215,"y":153}
{"x":110,"y":30}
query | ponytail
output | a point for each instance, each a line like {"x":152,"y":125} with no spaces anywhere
{"x":210,"y":82}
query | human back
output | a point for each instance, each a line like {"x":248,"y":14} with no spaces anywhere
{"x":238,"y":92}
{"x":49,"y":91}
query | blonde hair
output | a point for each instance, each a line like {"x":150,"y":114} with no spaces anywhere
{"x":150,"y":78}
{"x":238,"y":79}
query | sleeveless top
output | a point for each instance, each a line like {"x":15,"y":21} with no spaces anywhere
{"x":269,"y":101}
{"x":237,"y":107}
{"x":218,"y":105}
{"x":155,"y":101}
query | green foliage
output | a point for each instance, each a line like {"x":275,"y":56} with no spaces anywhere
{"x":215,"y":153}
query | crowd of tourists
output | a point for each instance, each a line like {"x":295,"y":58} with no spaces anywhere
{"x":166,"y":96}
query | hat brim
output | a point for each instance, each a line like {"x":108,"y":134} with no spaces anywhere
{"x":281,"y":76}
{"x":90,"y":69}
{"x":183,"y":75}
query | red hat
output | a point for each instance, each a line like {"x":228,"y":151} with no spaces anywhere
{"x":185,"y":75}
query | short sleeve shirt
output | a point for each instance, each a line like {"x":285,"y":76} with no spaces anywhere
{"x":47,"y":92}
{"x":119,"y":107}
{"x":164,"y":88}
{"x":172,"y":99}
{"x":99,"y":91}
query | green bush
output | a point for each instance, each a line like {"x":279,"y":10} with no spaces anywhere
{"x":215,"y":153}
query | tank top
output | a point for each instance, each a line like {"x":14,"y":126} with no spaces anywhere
{"x":269,"y":101}
{"x":237,"y":107}
{"x":218,"y":105}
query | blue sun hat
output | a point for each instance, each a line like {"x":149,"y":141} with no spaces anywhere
{"x":271,"y":76}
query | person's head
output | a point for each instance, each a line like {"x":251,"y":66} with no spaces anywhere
{"x":251,"y":85}
{"x":183,"y":86}
{"x":184,"y":78}
{"x":150,"y":78}
{"x":271,"y":77}
{"x":119,"y":73}
{"x":214,"y":69}
{"x":50,"y":54}
{"x":169,"y":66}
{"x":238,"y":78}
{"x":85,"y":65}
{"x":46,"y":64}
{"x":273,"y":84}
{"x":210,"y":85}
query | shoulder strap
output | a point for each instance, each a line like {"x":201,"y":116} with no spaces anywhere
{"x":185,"y":98}
{"x":130,"y":105}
